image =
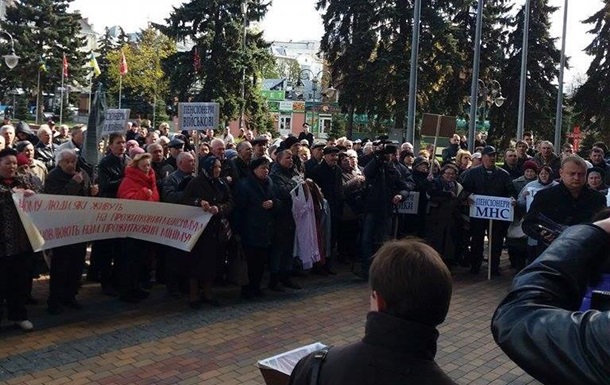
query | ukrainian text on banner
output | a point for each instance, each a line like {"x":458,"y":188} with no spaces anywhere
{"x":488,"y":207}
{"x":409,"y":205}
{"x":55,"y":220}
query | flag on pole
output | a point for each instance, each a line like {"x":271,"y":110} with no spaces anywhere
{"x":42,"y":64}
{"x":196,"y":60}
{"x":94,"y":65}
{"x":65,"y":64}
{"x":123,"y":66}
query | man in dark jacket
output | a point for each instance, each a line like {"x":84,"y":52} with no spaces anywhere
{"x":487,"y":179}
{"x":327,"y":176}
{"x":385,"y":190}
{"x":399,"y":344}
{"x":538,"y":326}
{"x":570,"y":202}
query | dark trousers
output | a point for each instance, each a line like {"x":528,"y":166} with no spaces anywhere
{"x":67,"y":264}
{"x":478,"y":229}
{"x":14,"y":283}
{"x":257,"y":258}
{"x":129,"y":265}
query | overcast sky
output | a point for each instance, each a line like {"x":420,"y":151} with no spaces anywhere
{"x":298,"y":20}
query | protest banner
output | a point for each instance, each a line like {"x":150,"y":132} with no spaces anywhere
{"x":115,"y":120}
{"x":409,"y":205}
{"x":56,"y":220}
{"x":530,"y":197}
{"x":198,"y":116}
{"x":489,"y":207}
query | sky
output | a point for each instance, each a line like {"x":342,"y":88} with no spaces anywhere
{"x":298,"y":20}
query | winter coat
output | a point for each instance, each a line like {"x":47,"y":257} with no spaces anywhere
{"x":136,"y":185}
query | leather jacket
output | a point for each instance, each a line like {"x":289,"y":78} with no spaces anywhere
{"x":538,"y":324}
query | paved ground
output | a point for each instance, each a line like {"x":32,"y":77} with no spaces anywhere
{"x":161,"y":341}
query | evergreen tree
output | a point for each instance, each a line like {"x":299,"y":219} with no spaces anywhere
{"x":592,"y":98}
{"x":542,"y":68}
{"x":216,"y":27}
{"x":44,"y":28}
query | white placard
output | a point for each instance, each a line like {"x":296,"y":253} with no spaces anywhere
{"x":409,"y":205}
{"x":115,"y":120}
{"x":198,"y":116}
{"x":57,"y":220}
{"x":530,"y":197}
{"x":489,"y":207}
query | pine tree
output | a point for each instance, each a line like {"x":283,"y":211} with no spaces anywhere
{"x":592,"y":98}
{"x":542,"y":68}
{"x":216,"y":27}
{"x":44,"y":28}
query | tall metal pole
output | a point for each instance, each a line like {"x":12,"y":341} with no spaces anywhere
{"x":410,"y":134}
{"x":474,"y":102}
{"x":244,"y":10}
{"x":523,"y":82}
{"x":558,"y":113}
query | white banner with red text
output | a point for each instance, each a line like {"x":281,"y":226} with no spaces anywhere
{"x":56,"y":220}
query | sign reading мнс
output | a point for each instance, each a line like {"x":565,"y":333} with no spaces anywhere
{"x":489,"y":207}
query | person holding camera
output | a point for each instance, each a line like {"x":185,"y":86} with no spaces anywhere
{"x":539,"y":325}
{"x":385,"y":189}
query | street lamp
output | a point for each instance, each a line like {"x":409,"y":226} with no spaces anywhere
{"x":315,"y":78}
{"x":244,"y":12}
{"x":11,"y":59}
{"x":488,"y":95}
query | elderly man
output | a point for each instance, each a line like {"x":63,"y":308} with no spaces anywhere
{"x":410,"y":295}
{"x":241,"y":163}
{"x":46,"y":149}
{"x":546,"y":157}
{"x":8,"y":132}
{"x":67,"y":261}
{"x":492,"y":181}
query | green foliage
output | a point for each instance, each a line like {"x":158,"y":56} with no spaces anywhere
{"x":216,"y":28}
{"x":592,"y":98}
{"x":43,"y":28}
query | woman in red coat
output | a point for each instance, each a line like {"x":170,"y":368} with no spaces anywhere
{"x":139,"y":183}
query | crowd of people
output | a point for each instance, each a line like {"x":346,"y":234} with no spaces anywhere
{"x":279,"y":205}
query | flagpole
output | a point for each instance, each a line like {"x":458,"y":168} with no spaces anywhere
{"x":38,"y":97}
{"x":61,"y":101}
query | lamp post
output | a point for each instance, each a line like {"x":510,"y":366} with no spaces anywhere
{"x":315,"y":78}
{"x":488,"y":95}
{"x":244,"y":12}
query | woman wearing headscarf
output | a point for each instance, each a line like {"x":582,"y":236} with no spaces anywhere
{"x":213,"y":195}
{"x":140,"y":184}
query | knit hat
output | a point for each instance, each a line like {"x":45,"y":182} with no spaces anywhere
{"x":530,"y":165}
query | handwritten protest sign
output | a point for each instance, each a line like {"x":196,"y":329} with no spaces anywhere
{"x":198,"y":116}
{"x":55,"y":220}
{"x":409,"y":205}
{"x":115,"y":120}
{"x":489,"y":207}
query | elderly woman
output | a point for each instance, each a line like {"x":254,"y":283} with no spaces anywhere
{"x":15,"y":250}
{"x":139,"y":183}
{"x":46,"y":149}
{"x":255,"y":203}
{"x":443,"y":221}
{"x":67,"y":261}
{"x":595,"y":179}
{"x":37,"y":168}
{"x":213,"y":195}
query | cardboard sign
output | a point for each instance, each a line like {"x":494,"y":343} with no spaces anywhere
{"x":198,"y":116}
{"x":447,"y":127}
{"x":115,"y":120}
{"x":488,"y":207}
{"x":56,"y":220}
{"x":409,"y":205}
